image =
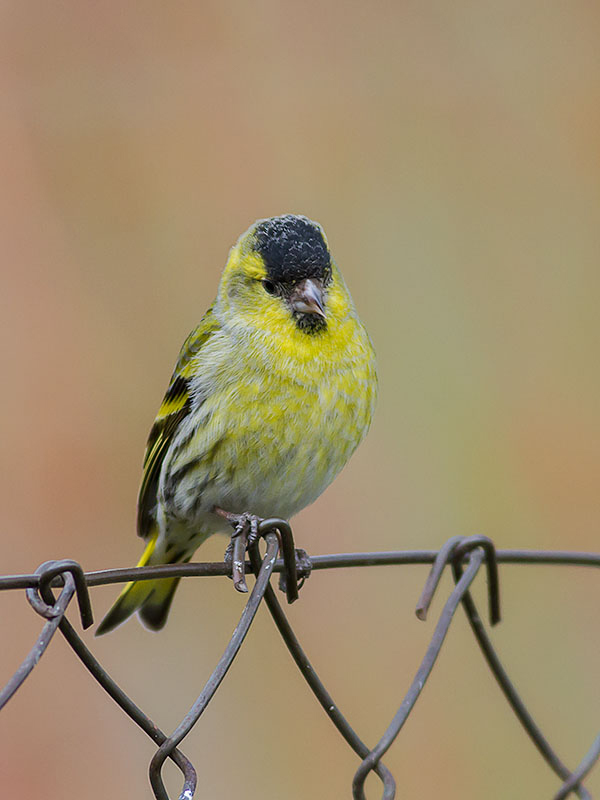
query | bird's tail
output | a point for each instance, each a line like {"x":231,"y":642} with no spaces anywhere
{"x":151,"y":599}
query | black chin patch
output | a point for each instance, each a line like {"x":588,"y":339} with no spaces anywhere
{"x":293,"y":249}
{"x":310,"y":323}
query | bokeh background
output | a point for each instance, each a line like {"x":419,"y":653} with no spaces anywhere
{"x":451,"y":151}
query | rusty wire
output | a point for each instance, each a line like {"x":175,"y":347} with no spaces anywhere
{"x":464,"y":555}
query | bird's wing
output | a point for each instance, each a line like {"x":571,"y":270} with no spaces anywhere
{"x":174,"y":409}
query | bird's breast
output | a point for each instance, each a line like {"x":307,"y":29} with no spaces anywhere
{"x":292,"y":440}
{"x":269,"y":436}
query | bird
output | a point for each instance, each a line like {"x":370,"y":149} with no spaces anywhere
{"x":271,"y":394}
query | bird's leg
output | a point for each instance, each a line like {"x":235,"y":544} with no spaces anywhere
{"x":245,"y":534}
{"x":253,"y":535}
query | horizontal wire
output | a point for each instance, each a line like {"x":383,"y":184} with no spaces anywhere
{"x":328,"y":561}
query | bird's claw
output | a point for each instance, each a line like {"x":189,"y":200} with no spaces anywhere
{"x":253,"y":534}
{"x":244,"y":535}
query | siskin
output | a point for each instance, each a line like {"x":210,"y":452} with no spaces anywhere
{"x":270,"y":396}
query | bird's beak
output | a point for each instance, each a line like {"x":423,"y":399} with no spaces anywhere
{"x":307,"y":297}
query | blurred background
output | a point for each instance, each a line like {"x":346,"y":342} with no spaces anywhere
{"x":451,"y":152}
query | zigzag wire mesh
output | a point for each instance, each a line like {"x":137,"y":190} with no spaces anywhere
{"x":465,"y":556}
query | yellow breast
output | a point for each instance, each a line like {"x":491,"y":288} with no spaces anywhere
{"x":279,"y":413}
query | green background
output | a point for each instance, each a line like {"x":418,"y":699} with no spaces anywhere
{"x":451,"y":151}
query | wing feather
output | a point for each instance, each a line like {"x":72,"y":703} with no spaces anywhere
{"x":174,"y":409}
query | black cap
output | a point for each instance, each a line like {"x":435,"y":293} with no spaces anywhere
{"x":293,"y":249}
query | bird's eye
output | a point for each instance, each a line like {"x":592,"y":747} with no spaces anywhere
{"x":269,"y":287}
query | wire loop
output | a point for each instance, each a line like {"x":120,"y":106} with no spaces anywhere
{"x":455,"y":550}
{"x":42,"y":599}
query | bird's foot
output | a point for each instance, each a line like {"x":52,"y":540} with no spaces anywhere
{"x":245,"y":534}
{"x":303,"y":567}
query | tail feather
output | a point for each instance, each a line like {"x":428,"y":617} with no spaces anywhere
{"x":152,"y":598}
{"x":155,"y":608}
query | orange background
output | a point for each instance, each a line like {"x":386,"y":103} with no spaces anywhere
{"x":451,"y":152}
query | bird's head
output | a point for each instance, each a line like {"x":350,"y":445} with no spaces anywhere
{"x":280,"y":278}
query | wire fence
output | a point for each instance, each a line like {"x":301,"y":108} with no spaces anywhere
{"x":465,"y":556}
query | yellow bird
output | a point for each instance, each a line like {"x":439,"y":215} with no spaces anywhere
{"x":270,"y":396}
